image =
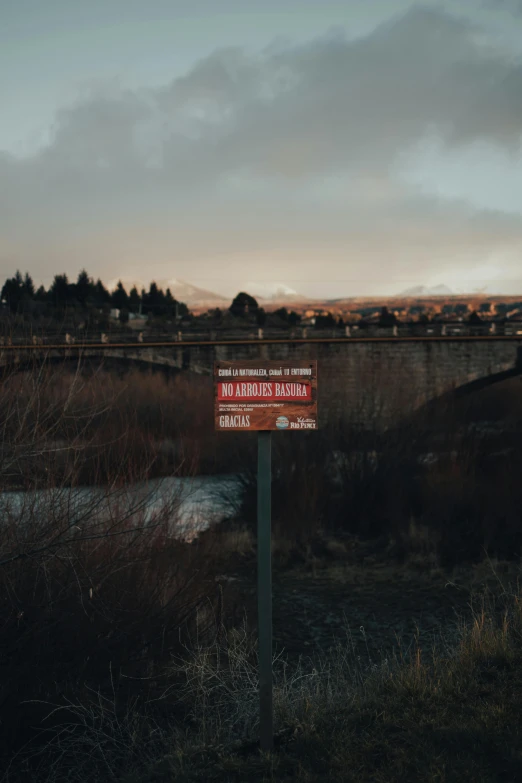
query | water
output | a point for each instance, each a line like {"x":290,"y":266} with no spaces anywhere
{"x":189,"y":504}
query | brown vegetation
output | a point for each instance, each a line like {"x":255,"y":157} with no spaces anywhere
{"x":120,"y":652}
{"x":97,"y":589}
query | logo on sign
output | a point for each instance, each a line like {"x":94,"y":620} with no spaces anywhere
{"x":281,"y":422}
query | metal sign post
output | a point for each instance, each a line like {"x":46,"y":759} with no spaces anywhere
{"x":264,"y":588}
{"x":265,"y":396}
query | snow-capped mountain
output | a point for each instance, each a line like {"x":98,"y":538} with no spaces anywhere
{"x":182,"y":291}
{"x":271,"y":292}
{"x":190,"y":294}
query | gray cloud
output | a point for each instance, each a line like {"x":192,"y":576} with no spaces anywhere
{"x":514,"y":6}
{"x":235,"y":158}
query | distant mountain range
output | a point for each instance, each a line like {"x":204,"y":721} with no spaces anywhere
{"x":193,"y":296}
{"x":422,"y":290}
{"x":269,"y":295}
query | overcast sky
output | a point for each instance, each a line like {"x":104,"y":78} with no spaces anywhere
{"x":339,"y":148}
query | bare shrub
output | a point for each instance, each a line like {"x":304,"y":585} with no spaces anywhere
{"x":170,"y":414}
{"x":434,"y":473}
{"x":95,"y":580}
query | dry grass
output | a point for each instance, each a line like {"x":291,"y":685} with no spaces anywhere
{"x":453,"y":717}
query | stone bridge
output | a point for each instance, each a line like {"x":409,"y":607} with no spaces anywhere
{"x":370,"y":377}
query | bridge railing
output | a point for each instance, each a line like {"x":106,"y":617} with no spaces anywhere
{"x":434,"y":329}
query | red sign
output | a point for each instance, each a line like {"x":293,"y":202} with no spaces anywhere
{"x":261,"y":395}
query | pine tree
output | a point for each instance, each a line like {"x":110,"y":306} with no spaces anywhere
{"x":12,"y":291}
{"x":134,"y":300}
{"x":120,"y":297}
{"x":84,"y":288}
{"x":101,"y":295}
{"x":59,"y":291}
{"x":28,"y":286}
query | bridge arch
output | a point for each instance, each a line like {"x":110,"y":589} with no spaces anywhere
{"x":446,"y":401}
